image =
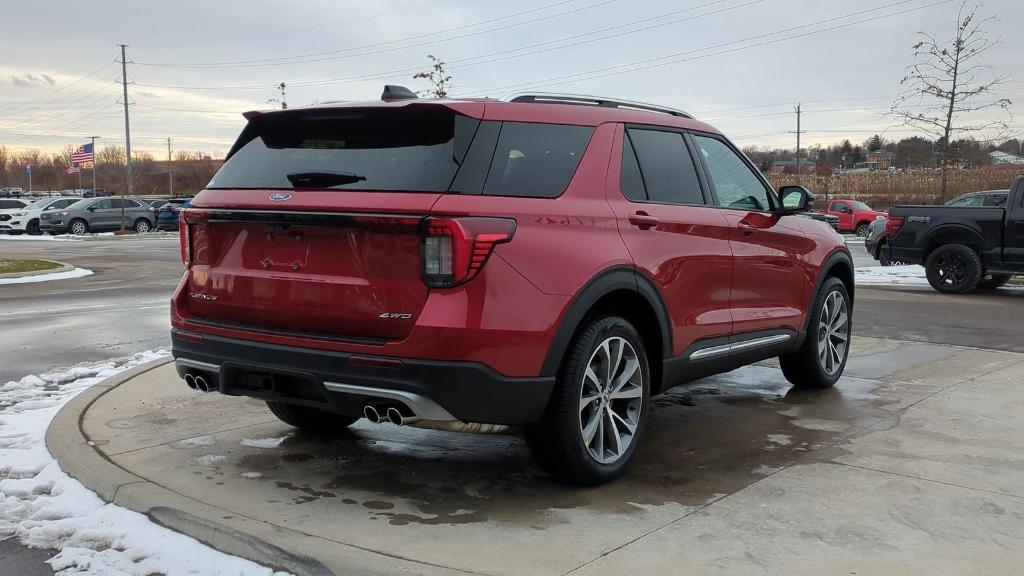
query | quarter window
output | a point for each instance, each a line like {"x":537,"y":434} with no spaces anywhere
{"x":668,"y":173}
{"x":734,"y":181}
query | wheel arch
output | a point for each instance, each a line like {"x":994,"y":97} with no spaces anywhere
{"x":628,"y":293}
{"x":838,"y":264}
{"x":951,"y":234}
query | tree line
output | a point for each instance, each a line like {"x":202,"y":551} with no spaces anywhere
{"x":192,"y":170}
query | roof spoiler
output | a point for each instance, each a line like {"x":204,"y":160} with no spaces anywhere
{"x":393,"y":92}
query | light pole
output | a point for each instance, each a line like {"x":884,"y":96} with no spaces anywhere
{"x":93,"y":138}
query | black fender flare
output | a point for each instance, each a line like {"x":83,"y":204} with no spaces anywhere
{"x":824,"y":271}
{"x":602,"y":284}
{"x":960,"y":231}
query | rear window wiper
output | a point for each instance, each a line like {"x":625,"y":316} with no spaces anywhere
{"x":323,"y":179}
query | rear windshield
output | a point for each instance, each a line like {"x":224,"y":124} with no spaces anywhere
{"x":411,"y":149}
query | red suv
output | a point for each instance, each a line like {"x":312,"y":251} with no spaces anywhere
{"x":546,"y":261}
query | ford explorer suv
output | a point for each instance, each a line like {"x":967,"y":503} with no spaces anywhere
{"x":962,"y":247}
{"x":546,"y":262}
{"x":854,"y":216}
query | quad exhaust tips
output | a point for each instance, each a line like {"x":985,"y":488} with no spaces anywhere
{"x":198,"y":381}
{"x":381,"y":413}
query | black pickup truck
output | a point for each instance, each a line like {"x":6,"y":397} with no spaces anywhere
{"x":961,"y":248}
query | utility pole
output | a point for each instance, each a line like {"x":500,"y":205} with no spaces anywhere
{"x":170,"y":170}
{"x":127,"y":132}
{"x":797,"y":109}
{"x":94,"y":157}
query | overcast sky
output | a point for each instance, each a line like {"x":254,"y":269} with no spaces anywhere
{"x":740,"y":64}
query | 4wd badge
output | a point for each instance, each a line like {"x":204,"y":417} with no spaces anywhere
{"x":395,"y":316}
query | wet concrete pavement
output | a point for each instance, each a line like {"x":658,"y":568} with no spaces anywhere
{"x":913,"y":462}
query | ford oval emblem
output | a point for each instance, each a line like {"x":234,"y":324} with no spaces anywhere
{"x":280,"y":196}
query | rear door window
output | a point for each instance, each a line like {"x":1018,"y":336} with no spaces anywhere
{"x":669,"y":175}
{"x":535,"y":160}
{"x":103,"y":204}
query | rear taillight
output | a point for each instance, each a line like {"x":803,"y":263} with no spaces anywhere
{"x":454,"y":250}
{"x":192,"y":234}
{"x":893,"y":225}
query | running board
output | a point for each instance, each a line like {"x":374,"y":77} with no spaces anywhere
{"x":726,"y":349}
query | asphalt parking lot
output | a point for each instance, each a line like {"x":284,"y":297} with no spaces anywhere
{"x":918,"y":433}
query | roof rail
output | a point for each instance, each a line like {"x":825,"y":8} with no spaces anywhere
{"x":549,"y":98}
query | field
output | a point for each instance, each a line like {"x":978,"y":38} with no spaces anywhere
{"x":881,"y":189}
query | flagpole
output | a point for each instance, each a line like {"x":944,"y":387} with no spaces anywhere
{"x":79,"y":178}
{"x":93,"y":138}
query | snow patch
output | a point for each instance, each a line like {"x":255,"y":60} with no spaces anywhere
{"x":251,"y":475}
{"x":263,"y":442}
{"x":76,"y":273}
{"x":909,"y":275}
{"x":45,"y":508}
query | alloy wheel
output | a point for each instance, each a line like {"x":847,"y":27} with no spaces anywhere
{"x":833,"y":332}
{"x":611,"y":398}
{"x":952,"y":269}
{"x":78,"y":228}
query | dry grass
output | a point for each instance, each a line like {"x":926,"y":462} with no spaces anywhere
{"x":19,"y":266}
{"x":882,"y":189}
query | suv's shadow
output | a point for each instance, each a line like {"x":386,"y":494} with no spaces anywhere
{"x":703,"y":440}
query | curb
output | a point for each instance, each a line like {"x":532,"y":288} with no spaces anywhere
{"x":282,"y":549}
{"x":64,"y":267}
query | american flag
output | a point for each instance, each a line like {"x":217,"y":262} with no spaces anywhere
{"x":82,"y":154}
{"x":73,"y":169}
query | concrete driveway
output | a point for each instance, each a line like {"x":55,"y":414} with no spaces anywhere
{"x":914,"y":463}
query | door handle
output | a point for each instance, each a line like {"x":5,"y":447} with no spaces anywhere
{"x":643,"y":221}
{"x":745,"y":229}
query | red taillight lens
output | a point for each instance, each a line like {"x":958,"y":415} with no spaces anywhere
{"x":893,"y":225}
{"x":192,"y":229}
{"x":454,"y":250}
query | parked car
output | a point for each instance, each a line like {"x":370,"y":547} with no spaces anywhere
{"x":547,"y":261}
{"x":98,"y":193}
{"x":961,"y":247}
{"x":876,"y":239}
{"x":12,"y":192}
{"x":854,"y":216}
{"x":167,"y":214}
{"x":98,"y":215}
{"x":26,"y":219}
{"x":832,"y":221}
{"x":8,"y":207}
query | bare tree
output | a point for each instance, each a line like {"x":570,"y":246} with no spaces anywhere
{"x":948,"y":83}
{"x":439,"y":79}
{"x":283,"y":100}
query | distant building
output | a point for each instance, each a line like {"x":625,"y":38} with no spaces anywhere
{"x":877,"y":160}
{"x":1000,"y":157}
{"x":789,"y":166}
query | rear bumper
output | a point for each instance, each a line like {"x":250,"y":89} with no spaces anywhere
{"x":344,"y":382}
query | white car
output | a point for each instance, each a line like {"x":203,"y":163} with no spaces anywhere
{"x":26,"y":218}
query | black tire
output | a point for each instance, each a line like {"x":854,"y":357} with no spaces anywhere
{"x":142,"y":226}
{"x":71,"y":226}
{"x":33,"y":227}
{"x":804,"y":368}
{"x":863,"y":230}
{"x":312,"y":419}
{"x":994,"y":281}
{"x":557,"y":442}
{"x":954,"y":269}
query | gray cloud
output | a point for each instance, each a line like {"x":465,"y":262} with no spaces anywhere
{"x":149,"y":95}
{"x":31,"y":80}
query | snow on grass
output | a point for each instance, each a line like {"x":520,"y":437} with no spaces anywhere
{"x":910,"y":275}
{"x":76,"y":273}
{"x":263,"y":442}
{"x":45,"y":508}
{"x":24,"y":237}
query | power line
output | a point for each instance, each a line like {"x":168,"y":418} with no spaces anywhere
{"x":680,"y":57}
{"x":325,"y":55}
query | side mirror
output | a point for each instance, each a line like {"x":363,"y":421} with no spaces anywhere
{"x":796,"y":199}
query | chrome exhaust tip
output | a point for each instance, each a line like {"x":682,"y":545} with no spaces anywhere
{"x":201,"y":383}
{"x":371,"y":414}
{"x":190,"y":380}
{"x":395,"y":417}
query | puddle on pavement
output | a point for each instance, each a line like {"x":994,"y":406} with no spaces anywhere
{"x":703,"y":440}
